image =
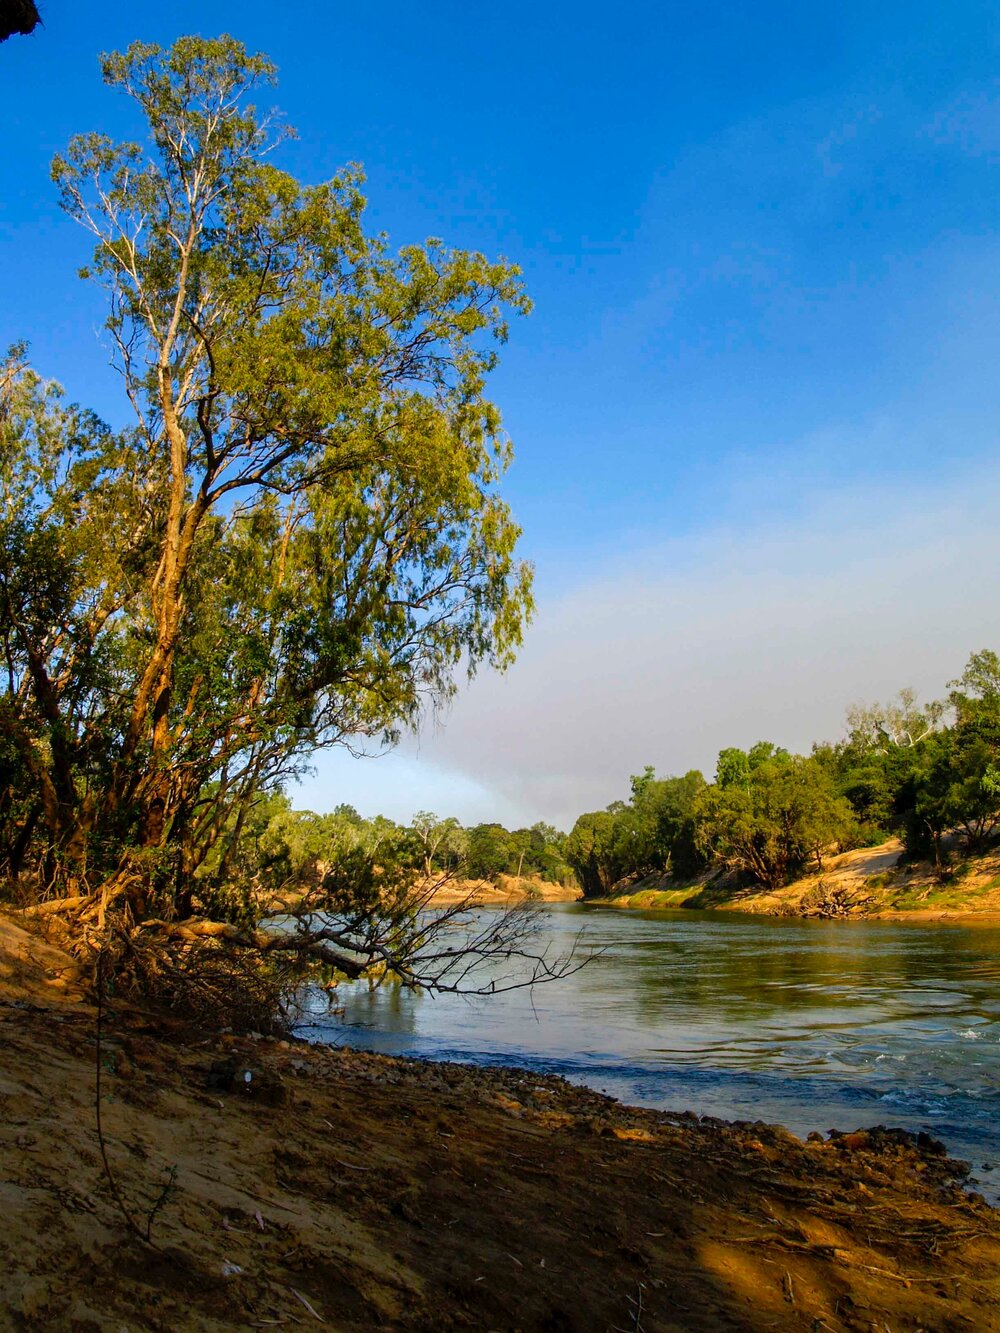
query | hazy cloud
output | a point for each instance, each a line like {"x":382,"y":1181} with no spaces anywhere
{"x":755,"y":632}
{"x":970,"y":122}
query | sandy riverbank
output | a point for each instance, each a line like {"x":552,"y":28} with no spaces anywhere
{"x":358,"y":1192}
{"x":507,"y":890}
{"x":869,"y":883}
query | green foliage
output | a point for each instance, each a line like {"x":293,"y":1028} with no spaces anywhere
{"x":651,"y":834}
{"x":290,"y":852}
{"x":490,"y":851}
{"x":780,"y":811}
{"x":672,"y":803}
{"x":954,"y":780}
{"x":299,"y":540}
{"x":443,"y":843}
{"x":590,"y":850}
{"x":735,"y":768}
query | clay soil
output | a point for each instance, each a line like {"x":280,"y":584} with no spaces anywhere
{"x":348,"y":1191}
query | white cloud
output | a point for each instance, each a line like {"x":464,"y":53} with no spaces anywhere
{"x":756,"y":632}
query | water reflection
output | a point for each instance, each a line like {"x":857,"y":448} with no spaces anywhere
{"x":814,"y":1024}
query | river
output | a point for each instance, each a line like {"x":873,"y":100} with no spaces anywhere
{"x":810,"y":1024}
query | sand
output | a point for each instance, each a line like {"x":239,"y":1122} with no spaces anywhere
{"x":355,"y":1192}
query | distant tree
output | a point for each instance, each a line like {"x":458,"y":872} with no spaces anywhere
{"x":439,"y":840}
{"x":528,"y":846}
{"x":735,"y":767}
{"x":674,"y":801}
{"x":874,"y":764}
{"x":978,"y":687}
{"x":651,"y":834}
{"x":975,"y":699}
{"x":490,"y":851}
{"x":590,"y":850}
{"x":899,"y":723}
{"x":954,"y":783}
{"x":539,"y":852}
{"x":549,"y":834}
{"x":348,"y":812}
{"x":768,"y":821}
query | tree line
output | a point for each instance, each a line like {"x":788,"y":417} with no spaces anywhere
{"x":281,"y":845}
{"x":921,"y":772}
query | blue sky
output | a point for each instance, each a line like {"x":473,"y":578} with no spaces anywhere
{"x":761,"y":240}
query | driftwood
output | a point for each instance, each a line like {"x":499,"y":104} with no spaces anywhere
{"x":316,"y":944}
{"x":830,"y":902}
{"x":18,"y":16}
{"x":57,"y":906}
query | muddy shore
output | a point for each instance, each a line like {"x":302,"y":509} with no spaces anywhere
{"x":350,"y":1191}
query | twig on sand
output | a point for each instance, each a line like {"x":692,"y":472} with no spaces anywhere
{"x":789,"y":1290}
{"x":298,"y":1295}
{"x":636,"y":1311}
{"x":350,"y":1167}
{"x":142,"y":1233}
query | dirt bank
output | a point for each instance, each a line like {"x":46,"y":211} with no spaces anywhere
{"x":347,"y":1191}
{"x":508,"y":889}
{"x":867,"y":883}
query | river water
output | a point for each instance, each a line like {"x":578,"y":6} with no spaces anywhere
{"x":811,"y":1024}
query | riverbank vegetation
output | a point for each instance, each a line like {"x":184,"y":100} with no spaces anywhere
{"x":928,"y":775}
{"x":282,"y":843}
{"x":296,"y":541}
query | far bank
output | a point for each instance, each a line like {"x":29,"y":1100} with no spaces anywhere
{"x":869,"y":883}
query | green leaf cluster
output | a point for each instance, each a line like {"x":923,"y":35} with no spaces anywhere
{"x":299,"y":541}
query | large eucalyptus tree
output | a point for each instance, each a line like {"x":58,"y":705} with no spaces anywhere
{"x":297,"y":542}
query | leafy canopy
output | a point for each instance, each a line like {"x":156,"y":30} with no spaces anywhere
{"x":299,"y":539}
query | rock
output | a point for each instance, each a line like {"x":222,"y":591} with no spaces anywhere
{"x":236,"y":1077}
